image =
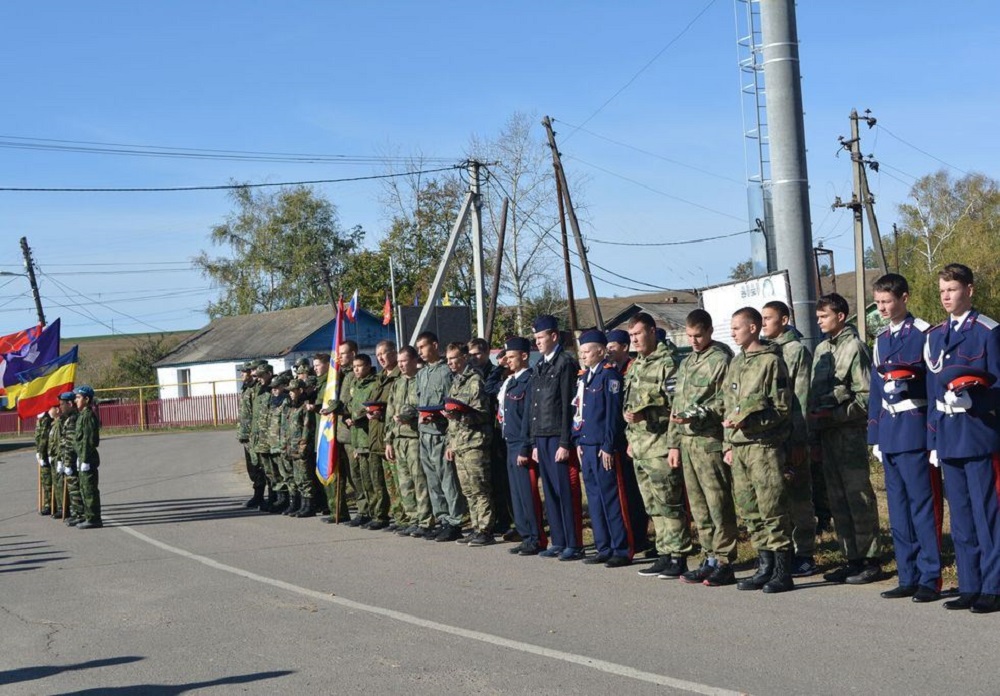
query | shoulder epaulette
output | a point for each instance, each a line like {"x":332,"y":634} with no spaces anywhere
{"x":921,"y":324}
{"x":943,"y":325}
{"x":883,"y":330}
{"x":986,"y":321}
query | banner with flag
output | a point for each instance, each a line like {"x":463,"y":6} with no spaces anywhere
{"x":352,"y":307}
{"x":326,"y":436}
{"x":43,"y":349}
{"x":41,"y":386}
{"x":387,"y":312}
{"x":19,"y":339}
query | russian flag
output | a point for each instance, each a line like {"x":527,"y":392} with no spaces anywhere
{"x":326,"y":442}
{"x":352,"y":308}
{"x":41,"y":386}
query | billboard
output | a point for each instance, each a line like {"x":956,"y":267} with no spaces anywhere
{"x":721,"y":301}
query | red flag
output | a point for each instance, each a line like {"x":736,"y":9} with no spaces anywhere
{"x":19,"y":339}
{"x":387,"y":312}
{"x":326,"y":443}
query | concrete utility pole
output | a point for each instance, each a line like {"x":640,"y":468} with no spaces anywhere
{"x":477,"y":247}
{"x":789,"y":177}
{"x":497,"y":270}
{"x":29,"y":266}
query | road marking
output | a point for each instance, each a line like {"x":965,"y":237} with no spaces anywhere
{"x":599,"y":665}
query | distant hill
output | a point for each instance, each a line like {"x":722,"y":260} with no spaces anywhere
{"x":97,"y":352}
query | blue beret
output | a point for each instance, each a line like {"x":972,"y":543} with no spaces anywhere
{"x":545,"y":322}
{"x":593,"y":336}
{"x":67,"y":396}
{"x":521,"y":345}
{"x":84,"y":390}
{"x":619,"y":336}
{"x":661,"y":334}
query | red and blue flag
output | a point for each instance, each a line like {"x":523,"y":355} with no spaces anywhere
{"x":326,"y":444}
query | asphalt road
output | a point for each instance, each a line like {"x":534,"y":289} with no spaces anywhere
{"x":186,"y":592}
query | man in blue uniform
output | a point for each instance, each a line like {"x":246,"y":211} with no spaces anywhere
{"x":599,"y":435}
{"x":553,"y":382}
{"x":522,"y":470}
{"x":897,"y":431}
{"x":963,"y":359}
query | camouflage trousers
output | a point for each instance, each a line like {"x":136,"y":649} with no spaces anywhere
{"x":72,"y":484}
{"x":413,"y":493}
{"x":270,"y":468}
{"x":662,"y":491}
{"x":336,"y":489}
{"x":709,"y":484}
{"x":356,"y":477}
{"x":45,"y":482}
{"x":304,"y":478}
{"x":760,"y":495}
{"x":799,"y":483}
{"x":254,"y":470}
{"x":286,"y":474}
{"x":396,"y":510}
{"x":56,"y":491}
{"x":849,"y":488}
{"x":372,"y":482}
{"x":90,"y":495}
{"x":473,"y":467}
{"x":447,"y":502}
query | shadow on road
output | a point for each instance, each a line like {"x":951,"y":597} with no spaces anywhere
{"x":16,"y":556}
{"x":175,"y":689}
{"x":23,"y":674}
{"x":151,"y":512}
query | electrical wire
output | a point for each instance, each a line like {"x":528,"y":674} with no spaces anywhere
{"x":667,"y":244}
{"x":106,"y":306}
{"x":923,"y":152}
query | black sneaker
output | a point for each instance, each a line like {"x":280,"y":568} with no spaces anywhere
{"x":698,"y":575}
{"x":87,"y":524}
{"x":359,"y":521}
{"x":843,"y":572}
{"x":804,"y":567}
{"x":482,"y":539}
{"x":675,"y":568}
{"x":721,"y":575}
{"x":376,"y":525}
{"x":657,"y":567}
{"x":408,"y":531}
{"x":448,"y":533}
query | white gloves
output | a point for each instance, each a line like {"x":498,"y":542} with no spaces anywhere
{"x":894,"y":386}
{"x":958,"y":399}
{"x":876,"y":452}
{"x":68,"y":470}
{"x":59,"y":467}
{"x":932,"y":456}
{"x":84,"y":466}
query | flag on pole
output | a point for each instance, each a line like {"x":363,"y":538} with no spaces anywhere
{"x":352,"y":308}
{"x":43,"y":349}
{"x":19,"y":339}
{"x":387,"y":311}
{"x":41,"y":386}
{"x":326,"y":444}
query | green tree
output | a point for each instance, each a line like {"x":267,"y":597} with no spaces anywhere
{"x":287,"y":249}
{"x":133,"y":367}
{"x":742,"y":271}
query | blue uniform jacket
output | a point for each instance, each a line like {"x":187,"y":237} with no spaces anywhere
{"x":598,"y":420}
{"x":893,"y":424}
{"x":514,"y":412}
{"x":976,"y":344}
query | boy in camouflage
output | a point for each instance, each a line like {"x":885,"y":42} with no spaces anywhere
{"x":756,"y":429}
{"x":43,"y":428}
{"x":838,"y":410}
{"x":695,"y":440}
{"x":385,"y":354}
{"x":370,"y":478}
{"x":86,"y":439}
{"x":301,"y":448}
{"x":67,"y":455}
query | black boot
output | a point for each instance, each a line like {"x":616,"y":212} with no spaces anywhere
{"x":308,"y":508}
{"x":294,"y":503}
{"x":781,"y":579}
{"x":269,"y":500}
{"x":765,"y":569}
{"x":280,"y":503}
{"x":257,"y":499}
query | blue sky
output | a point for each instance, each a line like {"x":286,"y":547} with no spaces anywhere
{"x":366,"y":78}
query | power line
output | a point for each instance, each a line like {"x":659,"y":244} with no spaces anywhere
{"x":666,"y":244}
{"x":923,"y":152}
{"x":221,"y":187}
{"x":106,"y":306}
{"x":111,"y":263}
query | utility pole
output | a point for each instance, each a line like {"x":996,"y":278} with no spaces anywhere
{"x":567,"y":269}
{"x":497,"y":269}
{"x":397,"y":319}
{"x":895,"y":244}
{"x":574,"y":223}
{"x":477,"y":247}
{"x":29,"y":266}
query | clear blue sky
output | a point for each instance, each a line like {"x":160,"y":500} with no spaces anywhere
{"x":361,"y":78}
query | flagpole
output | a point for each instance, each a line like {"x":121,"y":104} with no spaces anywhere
{"x":395,"y":306}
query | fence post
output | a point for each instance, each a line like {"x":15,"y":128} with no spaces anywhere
{"x":215,"y":407}
{"x":19,"y":424}
{"x":142,"y":412}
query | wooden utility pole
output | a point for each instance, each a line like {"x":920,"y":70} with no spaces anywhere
{"x":574,"y":223}
{"x":567,"y":269}
{"x":29,"y":266}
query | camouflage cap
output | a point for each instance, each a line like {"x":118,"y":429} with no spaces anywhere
{"x":303,"y":362}
{"x":311,"y":381}
{"x":247,"y":366}
{"x":281,"y":381}
{"x":264,"y":369}
{"x":296,"y":384}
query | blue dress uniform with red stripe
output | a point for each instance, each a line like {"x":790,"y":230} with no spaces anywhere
{"x":598,"y":427}
{"x":897,"y":425}
{"x":963,"y":360}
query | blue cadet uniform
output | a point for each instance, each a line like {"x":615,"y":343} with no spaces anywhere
{"x":897,"y":427}
{"x":553,"y":383}
{"x":598,"y":427}
{"x":526,"y":503}
{"x":963,"y":362}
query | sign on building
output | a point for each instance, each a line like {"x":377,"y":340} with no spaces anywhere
{"x":721,"y":301}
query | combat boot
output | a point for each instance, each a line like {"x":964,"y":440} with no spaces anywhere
{"x":280,"y":503}
{"x":294,"y":503}
{"x":781,"y":579}
{"x":765,"y":569}
{"x":308,"y":509}
{"x":257,"y":499}
{"x":265,"y":506}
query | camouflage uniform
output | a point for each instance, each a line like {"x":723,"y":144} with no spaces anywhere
{"x":698,"y":396}
{"x":757,"y":398}
{"x":347,"y":465}
{"x":369,"y":476}
{"x":447,"y":502}
{"x":254,"y":470}
{"x":838,"y":404}
{"x":376,"y":434}
{"x":798,"y":474}
{"x":67,"y":453}
{"x":301,"y":448}
{"x":405,"y":442}
{"x":55,"y":466}
{"x":276,"y":444}
{"x":43,"y":428}
{"x":662,"y":487}
{"x":260,"y":434}
{"x":86,"y":440}
{"x":469,"y":440}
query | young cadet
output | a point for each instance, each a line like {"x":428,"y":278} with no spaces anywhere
{"x":522,"y":470}
{"x":43,"y":428}
{"x":86,"y":439}
{"x":646,"y":405}
{"x":757,"y":428}
{"x":254,"y":471}
{"x":385,"y":354}
{"x":370,"y":477}
{"x":599,"y":435}
{"x":695,"y":440}
{"x":553,"y":383}
{"x":838,"y":409}
{"x":897,"y":431}
{"x":963,"y":357}
{"x":55,"y":457}
{"x":301,"y":442}
{"x":67,"y":454}
{"x":798,"y":471}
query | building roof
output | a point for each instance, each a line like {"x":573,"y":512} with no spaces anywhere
{"x":263,"y":335}
{"x":668,"y":308}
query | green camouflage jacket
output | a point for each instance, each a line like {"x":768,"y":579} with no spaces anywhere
{"x":472,"y":429}
{"x":43,"y":429}
{"x":647,"y":392}
{"x":67,"y":438}
{"x":275,"y":436}
{"x":260,"y":413}
{"x":383,"y":388}
{"x":840,"y":381}
{"x":246,"y":413}
{"x":757,"y":397}
{"x":698,"y":395}
{"x":360,"y":391}
{"x":301,"y":432}
{"x":341,"y":408}
{"x":433,"y":383}
{"x":402,"y":403}
{"x":799,"y":364}
{"x":54,"y":454}
{"x":87,"y":438}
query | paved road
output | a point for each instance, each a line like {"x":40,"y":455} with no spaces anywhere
{"x":185,"y":592}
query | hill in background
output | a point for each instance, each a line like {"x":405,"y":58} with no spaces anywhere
{"x":100,"y":356}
